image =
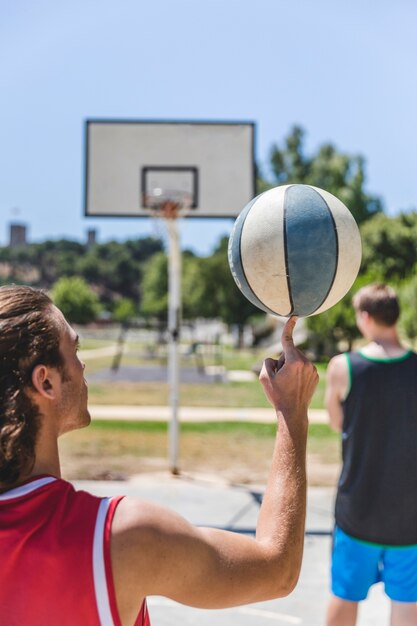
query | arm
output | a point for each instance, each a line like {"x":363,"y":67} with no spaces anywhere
{"x":156,"y":552}
{"x":336,"y":389}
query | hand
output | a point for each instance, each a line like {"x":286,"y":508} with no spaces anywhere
{"x":289,"y":383}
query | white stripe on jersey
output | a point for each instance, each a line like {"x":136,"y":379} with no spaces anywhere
{"x":25,"y":489}
{"x":99,"y":570}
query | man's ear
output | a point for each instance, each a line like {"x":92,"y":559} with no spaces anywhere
{"x":365,"y":316}
{"x":44,"y":380}
{"x":362,"y":316}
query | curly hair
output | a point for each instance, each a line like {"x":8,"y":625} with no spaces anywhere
{"x":29,"y":335}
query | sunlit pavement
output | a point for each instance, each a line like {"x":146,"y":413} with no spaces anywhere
{"x":207,"y":500}
{"x":194,"y":414}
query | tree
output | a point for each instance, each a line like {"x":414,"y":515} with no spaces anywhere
{"x":390,"y":246}
{"x":112,"y":267}
{"x":77,"y":301}
{"x":336,"y":328}
{"x":194,"y":288}
{"x":154,"y":288}
{"x":208,"y":289}
{"x":218,"y":293}
{"x":330,"y":329}
{"x":142,"y":249}
{"x":116,"y":268}
{"x":341,"y":174}
{"x":124,"y":311}
{"x":389,"y":254}
{"x":408,"y":299}
{"x":56,"y":259}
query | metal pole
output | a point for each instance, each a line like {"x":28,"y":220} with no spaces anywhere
{"x":174,"y":314}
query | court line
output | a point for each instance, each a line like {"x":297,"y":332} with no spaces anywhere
{"x":280,"y":617}
{"x":245,"y":610}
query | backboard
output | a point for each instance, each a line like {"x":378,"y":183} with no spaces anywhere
{"x":129,"y":162}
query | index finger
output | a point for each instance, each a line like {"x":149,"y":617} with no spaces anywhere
{"x":287,"y":340}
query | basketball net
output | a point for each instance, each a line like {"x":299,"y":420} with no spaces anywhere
{"x":167,"y":204}
{"x":164,"y":206}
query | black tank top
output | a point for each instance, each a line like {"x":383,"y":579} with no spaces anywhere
{"x":377,"y":493}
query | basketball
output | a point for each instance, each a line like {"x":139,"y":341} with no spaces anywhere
{"x":295,"y":250}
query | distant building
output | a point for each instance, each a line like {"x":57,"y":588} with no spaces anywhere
{"x":91,"y":237}
{"x":18,"y":235}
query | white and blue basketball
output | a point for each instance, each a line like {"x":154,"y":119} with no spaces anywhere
{"x":295,"y":250}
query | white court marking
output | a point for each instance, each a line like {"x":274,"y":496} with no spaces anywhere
{"x":243,"y":610}
{"x":279,"y":617}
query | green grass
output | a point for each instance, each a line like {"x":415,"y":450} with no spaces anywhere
{"x":243,"y":359}
{"x":318,"y":398}
{"x":228,"y":395}
{"x":93,"y":344}
{"x":255,"y":429}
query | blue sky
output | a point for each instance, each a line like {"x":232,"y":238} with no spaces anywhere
{"x":345,"y":71}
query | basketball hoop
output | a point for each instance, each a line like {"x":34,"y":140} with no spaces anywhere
{"x":167,"y":204}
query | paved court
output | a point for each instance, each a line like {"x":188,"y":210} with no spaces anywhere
{"x":205,"y":500}
{"x":145,"y":374}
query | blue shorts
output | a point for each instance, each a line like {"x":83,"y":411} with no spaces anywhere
{"x":357,"y":565}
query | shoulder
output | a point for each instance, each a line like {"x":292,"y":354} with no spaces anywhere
{"x":147,"y":543}
{"x":145,"y":524}
{"x":338,"y":377}
{"x":338,"y":368}
{"x":133,"y":514}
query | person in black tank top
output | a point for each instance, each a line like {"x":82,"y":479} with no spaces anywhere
{"x":371,"y":397}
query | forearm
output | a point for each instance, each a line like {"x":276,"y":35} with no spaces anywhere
{"x":282,"y":516}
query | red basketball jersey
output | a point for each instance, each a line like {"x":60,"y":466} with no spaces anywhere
{"x":55,"y":557}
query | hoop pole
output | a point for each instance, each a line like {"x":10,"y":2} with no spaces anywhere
{"x":174,"y":313}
